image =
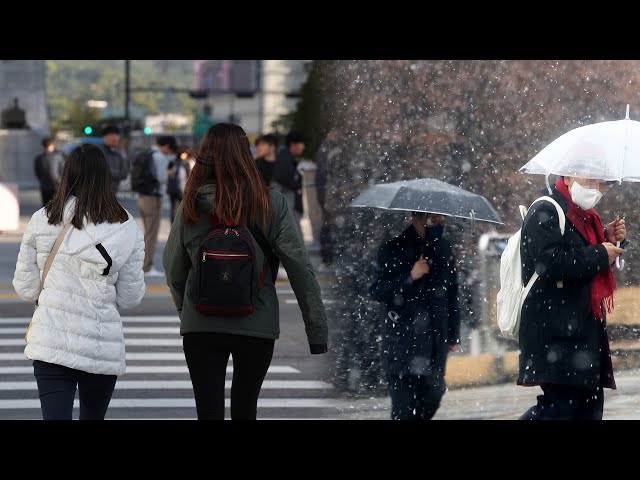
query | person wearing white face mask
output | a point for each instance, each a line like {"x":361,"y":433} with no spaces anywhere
{"x":564,"y":347}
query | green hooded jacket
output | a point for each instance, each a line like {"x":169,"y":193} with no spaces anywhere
{"x":180,"y":257}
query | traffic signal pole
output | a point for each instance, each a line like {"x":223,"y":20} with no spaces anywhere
{"x":127,"y":93}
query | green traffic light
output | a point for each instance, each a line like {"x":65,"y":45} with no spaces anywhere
{"x":88,"y":130}
{"x":147,"y":131}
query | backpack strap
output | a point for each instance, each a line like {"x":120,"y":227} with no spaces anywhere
{"x":562,"y":221}
{"x":270,"y":255}
{"x":561,"y":214}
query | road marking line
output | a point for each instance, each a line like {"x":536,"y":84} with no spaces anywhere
{"x":130,"y":330}
{"x":28,"y":404}
{"x":152,"y":356}
{"x":164,"y":342}
{"x":152,"y":369}
{"x":184,"y":385}
{"x":125,"y":319}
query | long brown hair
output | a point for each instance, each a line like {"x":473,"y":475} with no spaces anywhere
{"x":224,"y":160}
{"x":87,"y":176}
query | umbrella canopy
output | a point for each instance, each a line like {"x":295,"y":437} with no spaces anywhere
{"x":604,"y":151}
{"x":428,"y":195}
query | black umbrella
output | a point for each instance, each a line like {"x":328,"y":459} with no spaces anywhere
{"x":428,"y":195}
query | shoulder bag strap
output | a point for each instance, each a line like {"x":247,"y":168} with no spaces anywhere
{"x":54,"y":250}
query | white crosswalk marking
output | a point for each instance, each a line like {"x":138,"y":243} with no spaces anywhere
{"x":183,"y":385}
{"x":152,"y":369}
{"x":179,"y":403}
{"x":157,"y":384}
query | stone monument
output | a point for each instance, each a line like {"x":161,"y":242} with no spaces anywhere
{"x":23,"y":119}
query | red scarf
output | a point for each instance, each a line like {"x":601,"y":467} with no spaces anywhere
{"x":588,"y":223}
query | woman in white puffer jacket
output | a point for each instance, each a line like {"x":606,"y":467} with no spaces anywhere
{"x":75,"y":338}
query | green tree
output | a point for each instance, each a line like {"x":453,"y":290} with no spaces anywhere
{"x":69,"y":82}
{"x":311,"y":116}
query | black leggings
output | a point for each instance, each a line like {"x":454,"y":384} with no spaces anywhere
{"x":207,"y":355}
{"x":57,"y":390}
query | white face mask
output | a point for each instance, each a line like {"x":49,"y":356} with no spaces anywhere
{"x":585,"y":198}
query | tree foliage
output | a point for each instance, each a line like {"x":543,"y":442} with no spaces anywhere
{"x":71,"y":83}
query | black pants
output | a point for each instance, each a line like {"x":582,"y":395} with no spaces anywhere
{"x":327,"y":236}
{"x":565,"y":402}
{"x":57,"y":390}
{"x":207,"y":355}
{"x":414,"y":397}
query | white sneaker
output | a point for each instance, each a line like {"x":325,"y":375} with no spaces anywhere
{"x":153,"y":272}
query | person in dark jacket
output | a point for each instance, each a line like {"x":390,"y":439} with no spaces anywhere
{"x":286,"y":177}
{"x":564,"y":347}
{"x":47,"y":167}
{"x":416,"y":279}
{"x":118,"y":165}
{"x":266,"y":146}
{"x":325,"y":156}
{"x":225,"y":183}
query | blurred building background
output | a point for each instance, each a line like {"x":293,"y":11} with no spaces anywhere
{"x":253,"y":93}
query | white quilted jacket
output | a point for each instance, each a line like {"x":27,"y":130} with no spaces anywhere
{"x":96,"y":271}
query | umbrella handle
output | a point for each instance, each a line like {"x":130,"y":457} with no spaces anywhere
{"x":619,"y":261}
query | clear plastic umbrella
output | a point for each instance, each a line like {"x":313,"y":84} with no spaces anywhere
{"x":604,"y":150}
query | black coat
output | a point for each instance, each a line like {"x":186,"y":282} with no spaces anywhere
{"x":416,"y":341}
{"x":560,"y":340}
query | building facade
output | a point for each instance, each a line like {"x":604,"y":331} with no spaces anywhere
{"x":252,"y":93}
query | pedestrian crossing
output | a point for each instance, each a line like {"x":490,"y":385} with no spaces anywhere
{"x":156,"y":384}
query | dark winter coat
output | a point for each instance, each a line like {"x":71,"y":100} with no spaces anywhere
{"x":416,"y":340}
{"x":117,"y":164}
{"x":181,"y":254}
{"x":560,"y":339}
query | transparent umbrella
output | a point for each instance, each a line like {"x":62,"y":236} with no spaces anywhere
{"x":604,"y":150}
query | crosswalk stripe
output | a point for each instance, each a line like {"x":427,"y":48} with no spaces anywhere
{"x":131,"y":330}
{"x":151,"y":356}
{"x":259,"y":418}
{"x":293,"y":301}
{"x":153,"y":369}
{"x":147,"y":319}
{"x":183,"y":385}
{"x":29,"y":404}
{"x":165,"y":342}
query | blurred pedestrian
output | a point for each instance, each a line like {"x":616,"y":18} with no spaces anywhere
{"x":47,"y":167}
{"x":150,"y":204}
{"x":75,"y":337}
{"x":265,"y":155}
{"x":286,"y":177}
{"x":325,"y":165}
{"x":225,"y":184}
{"x":564,"y":347}
{"x":416,"y":279}
{"x":177,"y":173}
{"x":111,"y":147}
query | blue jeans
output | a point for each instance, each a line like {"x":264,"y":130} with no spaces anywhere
{"x":57,"y":390}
